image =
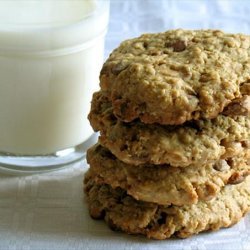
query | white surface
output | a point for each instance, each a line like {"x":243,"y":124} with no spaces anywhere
{"x":48,"y":212}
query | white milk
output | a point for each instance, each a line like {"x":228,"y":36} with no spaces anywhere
{"x":50,"y":58}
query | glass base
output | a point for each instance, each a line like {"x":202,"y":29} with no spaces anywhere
{"x":13,"y":164}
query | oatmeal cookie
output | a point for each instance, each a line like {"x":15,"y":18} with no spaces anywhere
{"x":194,"y":143}
{"x":177,"y":76}
{"x":122,"y":212}
{"x":166,"y":185}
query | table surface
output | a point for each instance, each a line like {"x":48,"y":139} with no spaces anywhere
{"x":48,"y":211}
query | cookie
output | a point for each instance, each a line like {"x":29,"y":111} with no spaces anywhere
{"x":176,"y":76}
{"x":123,"y":212}
{"x":194,"y":143}
{"x":166,"y":185}
{"x":240,"y":106}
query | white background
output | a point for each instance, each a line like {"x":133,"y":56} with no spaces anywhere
{"x":130,"y":18}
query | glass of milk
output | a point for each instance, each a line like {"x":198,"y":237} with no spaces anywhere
{"x":51,"y":53}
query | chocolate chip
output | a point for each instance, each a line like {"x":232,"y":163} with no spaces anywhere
{"x":245,"y":144}
{"x":123,"y":147}
{"x":112,"y":225}
{"x":118,"y":68}
{"x":97,"y":213}
{"x":245,"y":87}
{"x":179,"y":46}
{"x":240,"y":106}
{"x":236,"y":178}
{"x":145,"y":44}
{"x":162,"y":218}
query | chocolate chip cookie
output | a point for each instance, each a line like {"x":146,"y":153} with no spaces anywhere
{"x":164,"y":184}
{"x":193,"y":143}
{"x":173,"y":112}
{"x":177,"y":76}
{"x":122,"y":212}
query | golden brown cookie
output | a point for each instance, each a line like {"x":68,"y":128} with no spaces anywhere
{"x":164,"y":184}
{"x":123,"y":212}
{"x":193,"y":143}
{"x":176,"y":76}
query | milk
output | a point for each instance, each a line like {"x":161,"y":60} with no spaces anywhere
{"x":45,"y":12}
{"x":50,"y":60}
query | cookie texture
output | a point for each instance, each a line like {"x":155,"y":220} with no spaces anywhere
{"x":166,"y":185}
{"x":123,"y":212}
{"x":194,"y":143}
{"x":173,"y":155}
{"x":177,"y":76}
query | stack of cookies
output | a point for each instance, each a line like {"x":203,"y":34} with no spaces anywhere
{"x":173,"y":154}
